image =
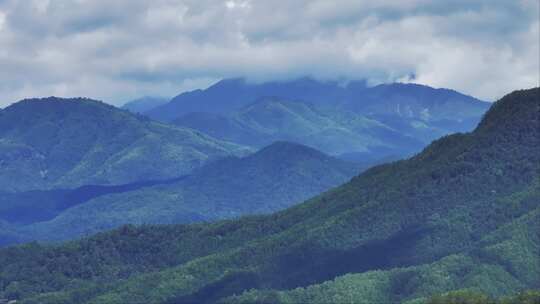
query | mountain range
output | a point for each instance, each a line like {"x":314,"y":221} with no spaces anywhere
{"x":65,"y":143}
{"x":66,"y":159}
{"x":463,"y":213}
{"x":332,"y":131}
{"x":229,"y":95}
{"x":272,"y":179}
{"x":411,"y":101}
{"x":340,"y":119}
{"x":55,"y":143}
{"x":144,"y":104}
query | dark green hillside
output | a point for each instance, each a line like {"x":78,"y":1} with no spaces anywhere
{"x":28,"y":207}
{"x":31,"y":206}
{"x":466,"y":296}
{"x":272,"y":179}
{"x":53,"y":142}
{"x":461,"y":214}
{"x":504,"y":262}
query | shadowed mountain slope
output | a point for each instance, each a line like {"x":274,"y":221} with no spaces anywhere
{"x":272,"y":179}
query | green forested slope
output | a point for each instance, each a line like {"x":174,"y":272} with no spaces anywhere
{"x":269,"y":180}
{"x":329,"y":129}
{"x":463,"y":213}
{"x":467,"y":296}
{"x":505,"y":261}
{"x":54,"y":142}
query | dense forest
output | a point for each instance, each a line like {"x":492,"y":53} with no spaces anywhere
{"x":52,"y":143}
{"x":475,"y":297}
{"x":462,"y":214}
{"x":269,"y":180}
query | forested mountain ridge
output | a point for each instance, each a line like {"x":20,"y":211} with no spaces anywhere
{"x":232,"y":94}
{"x":407,"y":100}
{"x":332,"y":131}
{"x":54,"y":142}
{"x":349,"y":120}
{"x":448,"y":218}
{"x":269,"y":180}
{"x":417,"y":101}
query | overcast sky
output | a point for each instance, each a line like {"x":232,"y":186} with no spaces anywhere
{"x":115,"y":50}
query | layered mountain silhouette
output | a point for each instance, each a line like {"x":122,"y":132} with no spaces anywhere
{"x":26,"y":207}
{"x":229,"y":95}
{"x":272,"y":179}
{"x":144,"y":104}
{"x":397,"y":99}
{"x":333,"y":131}
{"x":351,"y":119}
{"x":463,"y":213}
{"x":53,"y":142}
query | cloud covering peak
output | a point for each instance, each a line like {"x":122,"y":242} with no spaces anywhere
{"x":115,"y":50}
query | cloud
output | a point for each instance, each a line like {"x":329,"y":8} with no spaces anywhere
{"x":116,"y":50}
{"x":2,"y":20}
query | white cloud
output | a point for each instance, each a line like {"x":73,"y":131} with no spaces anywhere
{"x":2,"y":20}
{"x":115,"y":50}
{"x":232,"y":4}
